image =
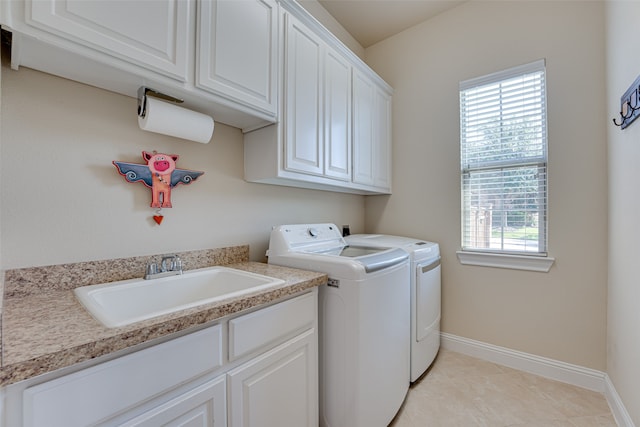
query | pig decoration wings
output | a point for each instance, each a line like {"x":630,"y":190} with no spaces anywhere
{"x":159,"y":174}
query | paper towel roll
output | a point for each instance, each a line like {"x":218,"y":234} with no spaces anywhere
{"x":169,"y":119}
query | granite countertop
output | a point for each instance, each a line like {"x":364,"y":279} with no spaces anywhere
{"x":46,"y":328}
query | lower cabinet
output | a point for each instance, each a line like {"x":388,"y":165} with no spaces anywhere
{"x":203,"y":406}
{"x":276,"y":388}
{"x":258,"y":369}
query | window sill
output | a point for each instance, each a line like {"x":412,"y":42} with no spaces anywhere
{"x":517,"y":262}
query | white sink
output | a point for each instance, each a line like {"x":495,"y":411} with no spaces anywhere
{"x":128,"y":301}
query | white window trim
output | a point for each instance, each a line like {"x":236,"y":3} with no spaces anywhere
{"x":516,"y":262}
{"x":504,"y":74}
{"x":540,"y":262}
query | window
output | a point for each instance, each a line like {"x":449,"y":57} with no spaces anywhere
{"x":503,"y":159}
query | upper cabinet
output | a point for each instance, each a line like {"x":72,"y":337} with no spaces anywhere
{"x":372,"y":133}
{"x":337,"y":115}
{"x":334,"y":132}
{"x":153,"y":34}
{"x":220,"y":56}
{"x":317,"y":101}
{"x":303,"y":103}
{"x":237,"y":50}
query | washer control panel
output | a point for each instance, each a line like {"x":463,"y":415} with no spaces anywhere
{"x":298,"y":235}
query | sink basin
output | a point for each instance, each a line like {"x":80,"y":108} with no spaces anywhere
{"x":128,"y":301}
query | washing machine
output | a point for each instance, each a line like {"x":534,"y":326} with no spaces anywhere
{"x":363,"y":324}
{"x":425,"y":294}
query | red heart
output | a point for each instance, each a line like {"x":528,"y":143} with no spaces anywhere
{"x":158,"y":219}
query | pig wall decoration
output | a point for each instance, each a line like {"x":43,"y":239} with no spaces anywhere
{"x":159,"y":173}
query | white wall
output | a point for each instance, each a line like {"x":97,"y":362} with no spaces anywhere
{"x":63,"y":201}
{"x":623,"y":336}
{"x":560,"y":314}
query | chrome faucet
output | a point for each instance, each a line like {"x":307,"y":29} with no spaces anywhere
{"x":170,"y":265}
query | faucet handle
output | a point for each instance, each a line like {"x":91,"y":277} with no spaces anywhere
{"x":177,"y":264}
{"x":174,"y":264}
{"x":152,"y":268}
{"x":164,"y":266}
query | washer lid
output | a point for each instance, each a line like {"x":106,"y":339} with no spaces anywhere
{"x":372,"y":259}
{"x":416,"y":247}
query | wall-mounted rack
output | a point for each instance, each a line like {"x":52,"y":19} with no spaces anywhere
{"x":629,"y":105}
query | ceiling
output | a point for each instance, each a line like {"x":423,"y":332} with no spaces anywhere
{"x":370,"y":21}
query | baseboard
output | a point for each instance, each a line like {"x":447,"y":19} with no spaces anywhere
{"x":615,"y":403}
{"x":590,"y":379}
{"x":548,"y":368}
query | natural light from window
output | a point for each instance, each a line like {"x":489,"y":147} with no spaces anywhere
{"x":503,"y":153}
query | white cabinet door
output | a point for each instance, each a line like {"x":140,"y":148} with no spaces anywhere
{"x":153,"y":34}
{"x":302,"y":97}
{"x":204,"y":406}
{"x":278,"y":388}
{"x":371,"y":134}
{"x":363,"y":129}
{"x":337,"y":116}
{"x":237,"y":50}
{"x":382,"y":140}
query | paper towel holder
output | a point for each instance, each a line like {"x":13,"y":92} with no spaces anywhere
{"x":142,"y":98}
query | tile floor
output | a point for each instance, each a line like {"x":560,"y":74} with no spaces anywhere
{"x":462,"y":391}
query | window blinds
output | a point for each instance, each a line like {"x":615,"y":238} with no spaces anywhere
{"x":503,"y":158}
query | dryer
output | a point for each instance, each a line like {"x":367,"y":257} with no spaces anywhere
{"x":363,"y":323}
{"x":425,"y":285}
